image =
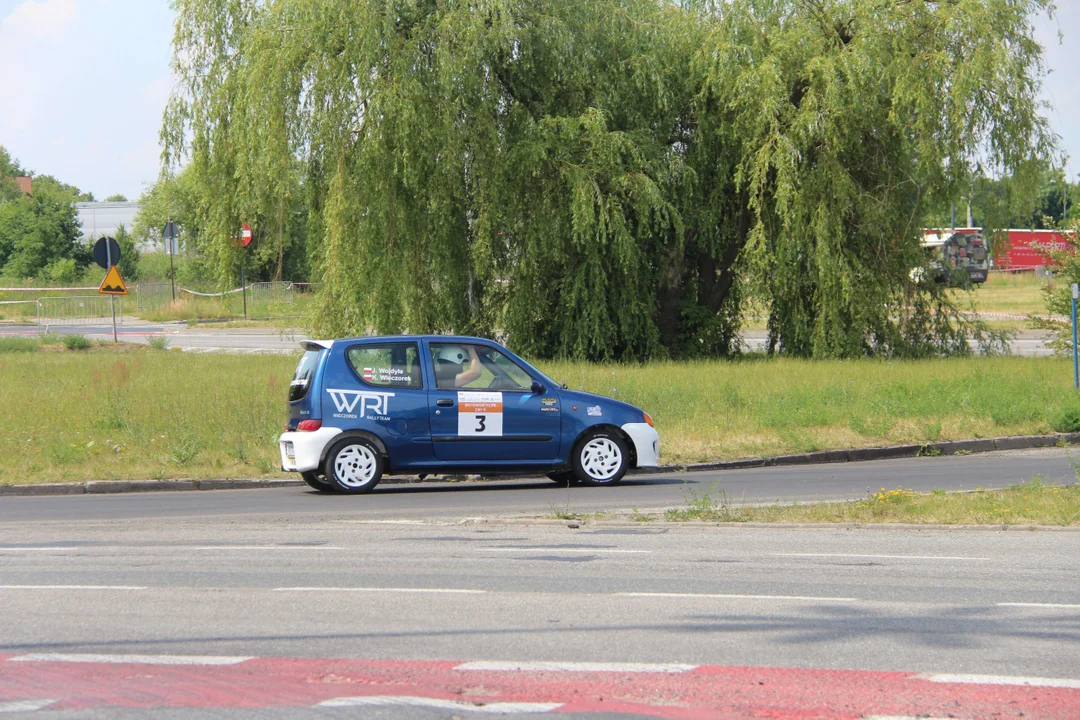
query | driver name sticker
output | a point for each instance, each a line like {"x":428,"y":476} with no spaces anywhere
{"x":480,"y":414}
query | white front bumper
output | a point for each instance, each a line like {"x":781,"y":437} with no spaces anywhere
{"x":307,"y":448}
{"x":646,"y":442}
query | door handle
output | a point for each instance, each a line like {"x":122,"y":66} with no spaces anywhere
{"x":444,"y":403}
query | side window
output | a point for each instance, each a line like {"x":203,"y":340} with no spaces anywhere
{"x":387,"y":365}
{"x":305,"y":369}
{"x":476,"y":367}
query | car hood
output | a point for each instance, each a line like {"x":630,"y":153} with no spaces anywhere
{"x":581,"y":396}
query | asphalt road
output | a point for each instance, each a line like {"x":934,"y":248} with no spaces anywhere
{"x":537,"y":497}
{"x":395,"y":595}
{"x":930,"y":601}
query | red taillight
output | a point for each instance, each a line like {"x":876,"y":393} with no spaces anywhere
{"x":648,"y":419}
{"x":309,"y":425}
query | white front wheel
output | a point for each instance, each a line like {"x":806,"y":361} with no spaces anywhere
{"x":600,"y":459}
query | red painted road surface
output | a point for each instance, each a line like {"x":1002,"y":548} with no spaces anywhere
{"x":85,"y":682}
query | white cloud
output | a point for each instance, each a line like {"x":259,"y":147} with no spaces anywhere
{"x":39,"y":19}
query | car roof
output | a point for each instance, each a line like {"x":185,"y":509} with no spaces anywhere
{"x":393,"y":338}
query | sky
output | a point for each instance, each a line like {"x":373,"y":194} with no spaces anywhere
{"x":83,"y":84}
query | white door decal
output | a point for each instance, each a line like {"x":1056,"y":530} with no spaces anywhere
{"x":480,"y":414}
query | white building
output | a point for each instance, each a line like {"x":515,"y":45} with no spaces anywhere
{"x":103,"y":218}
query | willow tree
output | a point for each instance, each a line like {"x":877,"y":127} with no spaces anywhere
{"x":607,"y":179}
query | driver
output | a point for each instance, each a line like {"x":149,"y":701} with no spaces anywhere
{"x":450,"y":368}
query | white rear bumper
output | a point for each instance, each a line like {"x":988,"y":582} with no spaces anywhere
{"x":307,"y":448}
{"x":646,"y":443}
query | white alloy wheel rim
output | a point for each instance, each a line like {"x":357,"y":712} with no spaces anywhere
{"x":601,"y":458}
{"x":355,"y":466}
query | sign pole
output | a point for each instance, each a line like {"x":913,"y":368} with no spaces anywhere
{"x":112,"y":298}
{"x":170,"y":231}
{"x":243,"y":284}
{"x":1076,"y":358}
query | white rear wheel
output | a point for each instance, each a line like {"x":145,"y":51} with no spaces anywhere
{"x":354,"y":466}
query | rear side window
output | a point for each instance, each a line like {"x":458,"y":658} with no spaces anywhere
{"x":305,"y":371}
{"x":387,"y":364}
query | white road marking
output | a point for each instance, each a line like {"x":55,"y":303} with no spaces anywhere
{"x":39,"y":549}
{"x":265,"y":547}
{"x":72,"y":587}
{"x":24,"y":705}
{"x":1040,"y":605}
{"x":565,"y":550}
{"x":386,"y":522}
{"x":448,"y":591}
{"x":809,"y":598}
{"x":999,"y":680}
{"x":509,"y":666}
{"x":131,"y":659}
{"x":406,"y":700}
{"x":885,"y":557}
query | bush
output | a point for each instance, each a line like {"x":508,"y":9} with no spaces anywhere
{"x":18,"y":344}
{"x":159,"y":342}
{"x":1068,"y":420}
{"x":76,"y":342}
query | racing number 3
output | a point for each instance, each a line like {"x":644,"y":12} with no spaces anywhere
{"x":480,"y":413}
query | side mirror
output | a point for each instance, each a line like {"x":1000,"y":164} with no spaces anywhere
{"x":537,"y":388}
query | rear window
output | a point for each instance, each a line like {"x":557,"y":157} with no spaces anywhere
{"x":305,"y":370}
{"x":387,"y":364}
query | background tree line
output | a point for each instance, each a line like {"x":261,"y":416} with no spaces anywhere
{"x":40,"y":233}
{"x":607,"y":179}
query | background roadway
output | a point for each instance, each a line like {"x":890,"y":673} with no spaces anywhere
{"x":206,"y":338}
{"x":538,"y":497}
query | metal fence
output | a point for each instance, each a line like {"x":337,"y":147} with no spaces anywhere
{"x":152,"y":295}
{"x":78,"y":310}
{"x":270,"y":292}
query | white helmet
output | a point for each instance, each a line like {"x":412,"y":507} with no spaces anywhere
{"x":452,"y":354}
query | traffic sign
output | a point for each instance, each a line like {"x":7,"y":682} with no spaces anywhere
{"x":113,"y":284}
{"x":106,"y":252}
{"x":169,"y":235}
{"x":244,"y":238}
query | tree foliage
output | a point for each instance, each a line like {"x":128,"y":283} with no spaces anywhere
{"x":607,"y":179}
{"x":39,"y":234}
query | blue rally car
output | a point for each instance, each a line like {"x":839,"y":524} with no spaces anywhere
{"x":416,"y":405}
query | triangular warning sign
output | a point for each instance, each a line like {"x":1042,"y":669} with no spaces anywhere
{"x":113,"y":284}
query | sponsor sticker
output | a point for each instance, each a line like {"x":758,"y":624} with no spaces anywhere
{"x":594,"y":411}
{"x":355,"y":404}
{"x":480,"y":414}
{"x":549,"y":409}
{"x":548,"y":401}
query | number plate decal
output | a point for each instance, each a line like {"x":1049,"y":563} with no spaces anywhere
{"x":480,"y":414}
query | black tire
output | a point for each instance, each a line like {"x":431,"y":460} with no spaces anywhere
{"x":315,"y":481}
{"x":354,"y":466}
{"x":600,"y":458}
{"x":563,"y":477}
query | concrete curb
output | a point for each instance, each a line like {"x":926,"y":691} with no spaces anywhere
{"x":948,"y":447}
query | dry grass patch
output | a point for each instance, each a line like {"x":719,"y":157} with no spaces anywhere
{"x":1030,"y":503}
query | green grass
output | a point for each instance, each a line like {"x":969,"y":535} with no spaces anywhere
{"x":711,"y":409}
{"x":1030,"y":503}
{"x":1008,"y":294}
{"x":18,"y":344}
{"x":229,"y":307}
{"x":132,"y":412}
